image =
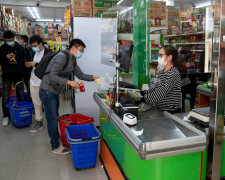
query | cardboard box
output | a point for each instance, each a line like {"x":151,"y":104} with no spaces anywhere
{"x":9,"y":11}
{"x":103,"y":4}
{"x":82,"y":12}
{"x":158,"y":14}
{"x":64,"y":36}
{"x":82,"y":3}
{"x":50,"y":25}
{"x":50,"y":30}
{"x":98,"y":12}
{"x":60,"y":28}
{"x":36,"y":30}
{"x":55,"y":34}
{"x":55,"y":30}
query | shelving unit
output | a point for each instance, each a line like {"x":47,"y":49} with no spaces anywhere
{"x":191,"y":34}
{"x":195,"y":50}
{"x":3,"y":30}
{"x":194,"y":41}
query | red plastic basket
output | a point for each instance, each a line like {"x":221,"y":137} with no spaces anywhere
{"x":69,"y":120}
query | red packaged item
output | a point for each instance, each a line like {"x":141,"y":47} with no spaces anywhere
{"x":81,"y":89}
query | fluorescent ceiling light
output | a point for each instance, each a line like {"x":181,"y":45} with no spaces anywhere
{"x":120,"y":2}
{"x":36,"y":13}
{"x":126,"y":10}
{"x":58,"y":20}
{"x":45,"y":20}
{"x":201,"y":5}
{"x":32,"y":14}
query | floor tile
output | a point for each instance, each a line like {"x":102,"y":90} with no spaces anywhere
{"x":14,"y":138}
{"x":37,"y":151}
{"x":46,"y":169}
{"x":8,"y":171}
{"x":74,"y":173}
{"x":93,"y":177}
{"x":39,"y":137}
{"x":13,"y":153}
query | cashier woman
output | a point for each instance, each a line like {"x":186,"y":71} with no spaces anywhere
{"x":166,"y":95}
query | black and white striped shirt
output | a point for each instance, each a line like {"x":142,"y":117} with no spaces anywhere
{"x":166,"y":95}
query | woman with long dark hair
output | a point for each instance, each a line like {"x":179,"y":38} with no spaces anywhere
{"x":166,"y":95}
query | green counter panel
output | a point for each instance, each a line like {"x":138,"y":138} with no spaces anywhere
{"x":223,"y":161}
{"x":185,"y":167}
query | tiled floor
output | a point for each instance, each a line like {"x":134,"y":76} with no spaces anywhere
{"x":25,"y":156}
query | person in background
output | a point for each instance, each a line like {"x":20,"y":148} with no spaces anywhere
{"x":172,"y":42}
{"x":36,"y":43}
{"x":12,"y":60}
{"x":55,"y":80}
{"x":29,"y":55}
{"x":191,"y":88}
{"x":166,"y":95}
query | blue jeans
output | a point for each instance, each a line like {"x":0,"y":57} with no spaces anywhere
{"x":51,"y":106}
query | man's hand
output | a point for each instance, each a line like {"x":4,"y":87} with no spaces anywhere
{"x":30,"y":64}
{"x":95,"y":77}
{"x":74,"y":84}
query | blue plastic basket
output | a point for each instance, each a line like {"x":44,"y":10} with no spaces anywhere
{"x":26,"y":97}
{"x":21,"y":113}
{"x":83,"y":140}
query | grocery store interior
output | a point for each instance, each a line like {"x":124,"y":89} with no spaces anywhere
{"x":143,"y":99}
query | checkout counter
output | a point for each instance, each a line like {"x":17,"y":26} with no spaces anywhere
{"x":160,"y":147}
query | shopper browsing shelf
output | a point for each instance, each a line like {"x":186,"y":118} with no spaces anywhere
{"x":29,"y":57}
{"x":53,"y":84}
{"x":166,"y":95}
{"x":173,"y":42}
{"x":37,"y":46}
{"x":12,"y":60}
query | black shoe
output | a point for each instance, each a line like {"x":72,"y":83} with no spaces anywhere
{"x":38,"y":126}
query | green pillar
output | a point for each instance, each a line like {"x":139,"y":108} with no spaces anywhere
{"x":139,"y":40}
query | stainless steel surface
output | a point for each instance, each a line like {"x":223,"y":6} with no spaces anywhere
{"x":204,"y":91}
{"x":163,"y":135}
{"x":216,"y":124}
{"x":208,"y":39}
{"x":117,"y":76}
{"x":199,"y":127}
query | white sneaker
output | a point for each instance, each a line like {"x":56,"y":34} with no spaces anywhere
{"x":5,"y":121}
{"x":61,"y":150}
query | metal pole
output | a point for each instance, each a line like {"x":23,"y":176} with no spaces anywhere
{"x":216,"y":124}
{"x":117,"y":76}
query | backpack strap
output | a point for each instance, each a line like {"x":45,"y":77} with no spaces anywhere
{"x":67,"y":59}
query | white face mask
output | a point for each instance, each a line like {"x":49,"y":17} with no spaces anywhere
{"x":162,"y":62}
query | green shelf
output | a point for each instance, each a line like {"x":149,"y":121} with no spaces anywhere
{"x":193,"y":50}
{"x":123,"y":73}
{"x":155,"y":49}
{"x":191,"y":43}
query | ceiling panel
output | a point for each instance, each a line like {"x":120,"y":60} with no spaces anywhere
{"x":50,"y":13}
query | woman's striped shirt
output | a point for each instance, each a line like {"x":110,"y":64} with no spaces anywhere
{"x":166,"y":95}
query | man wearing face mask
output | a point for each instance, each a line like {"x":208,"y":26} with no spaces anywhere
{"x":36,"y":43}
{"x":12,"y":60}
{"x":29,"y":56}
{"x":57,"y":76}
{"x":172,"y":42}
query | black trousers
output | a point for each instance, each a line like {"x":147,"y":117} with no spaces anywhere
{"x":6,"y":86}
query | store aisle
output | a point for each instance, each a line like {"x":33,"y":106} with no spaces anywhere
{"x":26,"y":156}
